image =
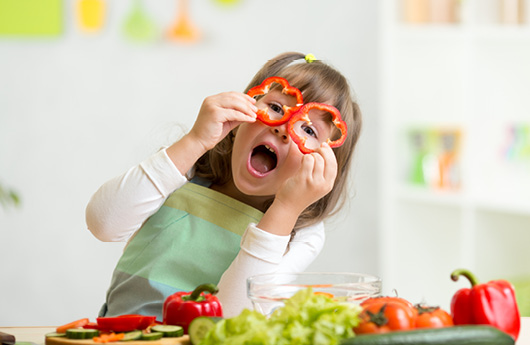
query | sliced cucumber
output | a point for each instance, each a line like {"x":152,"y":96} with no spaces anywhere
{"x":200,"y":326}
{"x":55,"y":334}
{"x":152,"y":336}
{"x":81,"y":333}
{"x":134,"y":335}
{"x":455,"y":335}
{"x":169,"y":331}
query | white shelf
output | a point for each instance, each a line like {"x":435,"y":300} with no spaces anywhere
{"x":472,"y":76}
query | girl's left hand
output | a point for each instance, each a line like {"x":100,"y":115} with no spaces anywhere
{"x":314,"y":180}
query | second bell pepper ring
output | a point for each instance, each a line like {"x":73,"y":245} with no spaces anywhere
{"x":287,"y":89}
{"x":491,"y":303}
{"x":303,"y":115}
{"x":182,"y":307}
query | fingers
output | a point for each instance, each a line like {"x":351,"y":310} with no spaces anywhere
{"x":330,"y":166}
{"x":238,"y":106}
{"x":319,"y":169}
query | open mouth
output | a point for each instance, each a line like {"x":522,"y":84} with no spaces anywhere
{"x":263,"y":159}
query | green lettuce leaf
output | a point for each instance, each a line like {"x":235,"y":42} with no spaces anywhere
{"x":306,"y":318}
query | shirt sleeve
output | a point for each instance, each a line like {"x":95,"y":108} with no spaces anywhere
{"x":121,"y":205}
{"x":262,"y":252}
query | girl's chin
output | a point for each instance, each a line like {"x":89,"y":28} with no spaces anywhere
{"x":252,"y":187}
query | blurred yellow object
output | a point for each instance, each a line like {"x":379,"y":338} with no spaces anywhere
{"x":227,"y":2}
{"x":91,"y":14}
{"x":183,"y":30}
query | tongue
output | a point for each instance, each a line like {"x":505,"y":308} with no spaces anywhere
{"x":261,"y":162}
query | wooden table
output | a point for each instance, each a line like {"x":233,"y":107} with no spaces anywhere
{"x":35,"y":335}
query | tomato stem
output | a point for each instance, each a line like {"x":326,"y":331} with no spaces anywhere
{"x":378,"y":318}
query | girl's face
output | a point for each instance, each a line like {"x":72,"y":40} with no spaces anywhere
{"x":264,"y":157}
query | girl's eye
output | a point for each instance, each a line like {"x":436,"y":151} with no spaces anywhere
{"x":277,"y":108}
{"x":308,"y":130}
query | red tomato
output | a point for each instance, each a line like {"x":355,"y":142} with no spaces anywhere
{"x":432,"y":317}
{"x":386,"y":314}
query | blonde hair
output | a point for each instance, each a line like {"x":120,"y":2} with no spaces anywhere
{"x":318,"y":82}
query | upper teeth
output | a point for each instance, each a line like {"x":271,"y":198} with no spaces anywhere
{"x":270,"y":148}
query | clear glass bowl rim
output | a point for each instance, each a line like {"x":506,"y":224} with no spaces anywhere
{"x":254,"y":280}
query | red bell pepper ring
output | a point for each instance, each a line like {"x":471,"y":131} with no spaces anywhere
{"x":303,"y":115}
{"x":182,"y":307}
{"x":264,"y":88}
{"x":125,"y":323}
{"x":491,"y":303}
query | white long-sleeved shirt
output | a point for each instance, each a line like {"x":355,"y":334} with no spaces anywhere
{"x":119,"y":208}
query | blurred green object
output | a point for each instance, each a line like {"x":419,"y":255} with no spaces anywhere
{"x":8,"y":197}
{"x":31,"y":17}
{"x":522,"y":294}
{"x":138,"y":25}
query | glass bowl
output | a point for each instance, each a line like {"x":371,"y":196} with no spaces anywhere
{"x":269,"y":291}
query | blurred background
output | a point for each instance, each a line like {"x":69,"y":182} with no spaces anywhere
{"x":441,"y":178}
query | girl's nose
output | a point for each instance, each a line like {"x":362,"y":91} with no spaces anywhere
{"x":281,"y":131}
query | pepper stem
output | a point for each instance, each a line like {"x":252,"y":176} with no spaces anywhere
{"x":466,"y":273}
{"x":196,"y":294}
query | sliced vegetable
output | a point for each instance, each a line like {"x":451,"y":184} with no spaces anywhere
{"x":456,"y":335}
{"x":134,"y":335}
{"x":73,"y":324}
{"x":125,"y":323}
{"x":109,"y":337}
{"x":287,"y":89}
{"x":200,"y":326}
{"x":152,"y":336}
{"x":432,"y":317}
{"x":491,"y":303}
{"x":55,"y":335}
{"x":169,"y":331}
{"x":309,"y":136}
{"x":81,"y":333}
{"x":182,"y":307}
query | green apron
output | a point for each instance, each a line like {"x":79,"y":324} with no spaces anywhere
{"x":191,"y":240}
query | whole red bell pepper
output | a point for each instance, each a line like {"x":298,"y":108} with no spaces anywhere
{"x":182,"y":307}
{"x":491,"y":303}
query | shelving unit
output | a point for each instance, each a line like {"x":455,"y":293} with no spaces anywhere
{"x":471,"y":75}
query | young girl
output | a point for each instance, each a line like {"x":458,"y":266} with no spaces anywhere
{"x":232,"y":198}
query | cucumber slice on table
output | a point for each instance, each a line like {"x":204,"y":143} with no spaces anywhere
{"x":169,"y":331}
{"x":152,"y":336}
{"x":200,"y":326}
{"x":55,"y":334}
{"x":134,"y":335}
{"x":81,"y":333}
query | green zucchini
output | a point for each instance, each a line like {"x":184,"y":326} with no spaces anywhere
{"x":454,"y":335}
{"x":134,"y":335}
{"x":200,"y":326}
{"x":152,"y":336}
{"x":169,"y":331}
{"x":81,"y":333}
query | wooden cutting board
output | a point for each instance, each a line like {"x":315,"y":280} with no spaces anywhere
{"x":185,"y":340}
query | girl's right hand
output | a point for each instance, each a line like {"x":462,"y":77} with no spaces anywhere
{"x":219,"y":114}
